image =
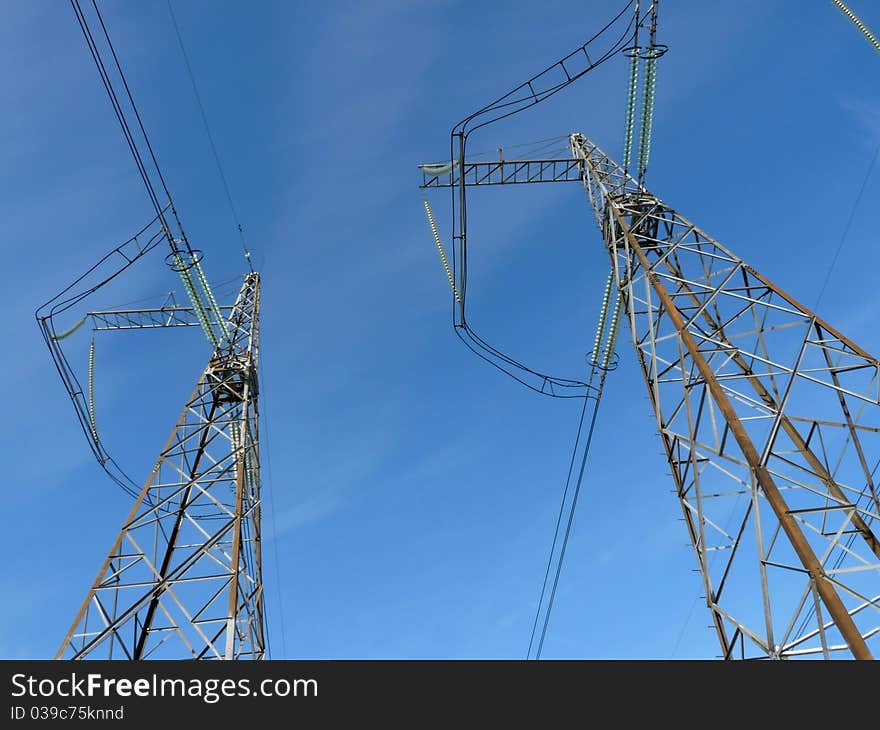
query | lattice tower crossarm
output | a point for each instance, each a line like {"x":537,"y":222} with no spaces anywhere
{"x":770,"y":420}
{"x":183,"y":579}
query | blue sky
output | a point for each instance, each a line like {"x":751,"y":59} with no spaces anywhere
{"x":413,"y":489}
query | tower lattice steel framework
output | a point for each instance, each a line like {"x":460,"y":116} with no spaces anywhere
{"x":183,"y":578}
{"x":769,"y":417}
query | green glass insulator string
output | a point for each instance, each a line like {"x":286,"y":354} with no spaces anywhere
{"x":198,"y":307}
{"x":209,"y":295}
{"x":93,"y":423}
{"x":630,"y":123}
{"x":603,"y":316}
{"x":647,"y":113}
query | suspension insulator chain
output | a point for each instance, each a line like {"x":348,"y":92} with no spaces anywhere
{"x":647,"y":113}
{"x":612,"y":332}
{"x":603,"y":315}
{"x":198,"y":307}
{"x":239,"y":455}
{"x":440,"y":250}
{"x":250,"y":470}
{"x":631,"y":107}
{"x":872,"y":39}
{"x":209,"y":295}
{"x":68,"y":332}
{"x":93,"y":423}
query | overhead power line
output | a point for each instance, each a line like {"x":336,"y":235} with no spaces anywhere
{"x":192,"y":79}
{"x":849,"y":221}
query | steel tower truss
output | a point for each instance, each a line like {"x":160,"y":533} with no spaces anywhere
{"x":769,"y":416}
{"x":770,"y":421}
{"x":183,"y":578}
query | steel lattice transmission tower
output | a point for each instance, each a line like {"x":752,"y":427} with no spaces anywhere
{"x":769,"y":416}
{"x":770,"y":419}
{"x":183,"y":578}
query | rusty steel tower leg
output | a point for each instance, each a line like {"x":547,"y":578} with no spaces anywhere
{"x":770,"y":420}
{"x":183,"y":578}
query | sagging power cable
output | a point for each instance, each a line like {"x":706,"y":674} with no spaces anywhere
{"x":602,"y":361}
{"x":182,"y":256}
{"x":195,"y":88}
{"x":108,"y":268}
{"x":611,"y":40}
{"x":872,"y":39}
